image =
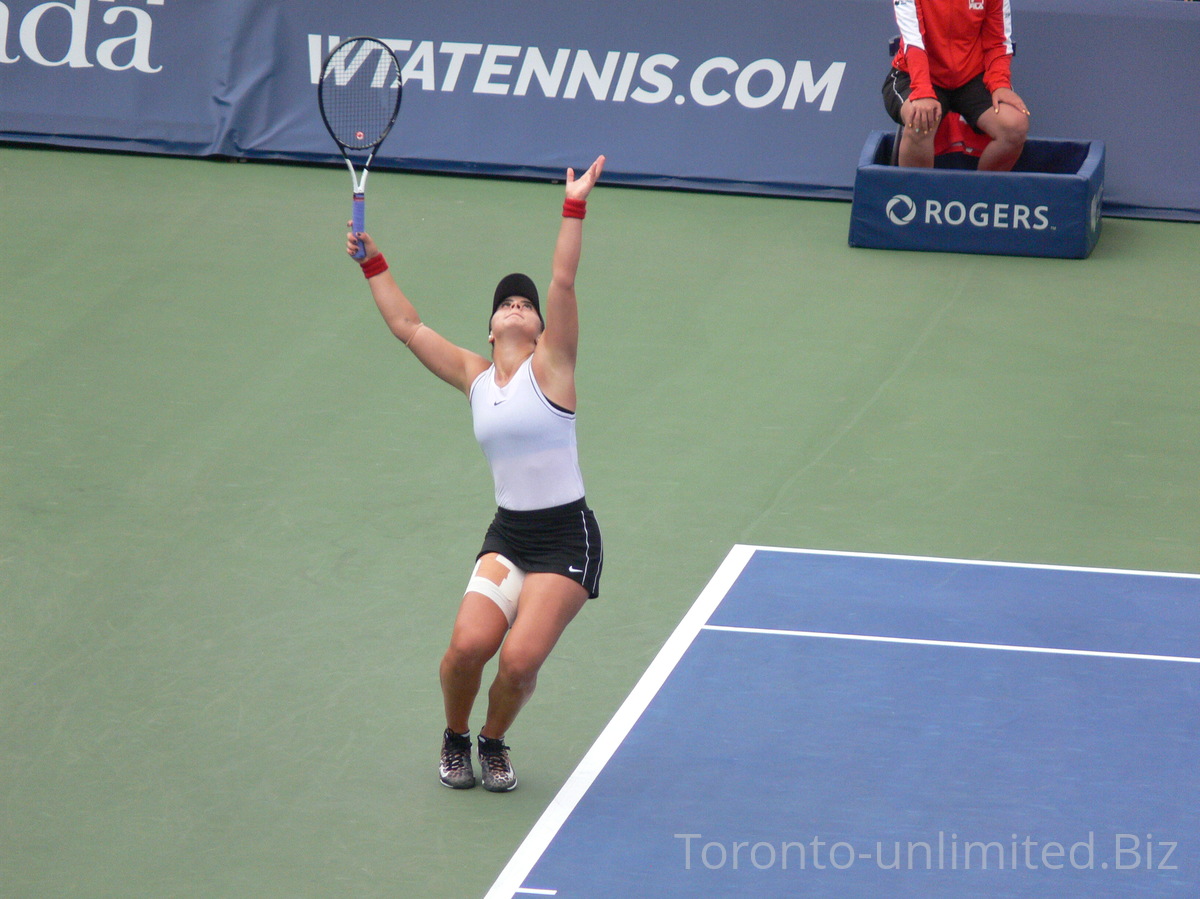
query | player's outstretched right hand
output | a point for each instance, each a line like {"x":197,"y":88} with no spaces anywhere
{"x":352,"y":243}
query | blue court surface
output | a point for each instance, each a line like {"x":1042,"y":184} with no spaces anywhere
{"x":849,"y":725}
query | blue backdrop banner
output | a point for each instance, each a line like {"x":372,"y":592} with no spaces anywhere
{"x":775,"y":97}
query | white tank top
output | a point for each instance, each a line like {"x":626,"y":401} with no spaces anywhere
{"x":528,"y":441}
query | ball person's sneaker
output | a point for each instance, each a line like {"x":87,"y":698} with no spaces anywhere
{"x":498,"y":774}
{"x":455,"y":770}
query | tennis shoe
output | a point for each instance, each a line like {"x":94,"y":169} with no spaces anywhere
{"x":498,"y":773}
{"x":455,"y":770}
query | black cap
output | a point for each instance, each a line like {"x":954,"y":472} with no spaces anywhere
{"x":516,"y":285}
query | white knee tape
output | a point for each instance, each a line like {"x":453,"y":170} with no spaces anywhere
{"x":504,"y":594}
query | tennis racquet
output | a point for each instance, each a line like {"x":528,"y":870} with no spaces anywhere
{"x":359,"y":96}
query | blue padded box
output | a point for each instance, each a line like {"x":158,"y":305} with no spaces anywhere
{"x":1048,"y":205}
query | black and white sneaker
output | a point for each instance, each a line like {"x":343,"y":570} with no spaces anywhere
{"x":455,"y":770}
{"x":498,"y":773}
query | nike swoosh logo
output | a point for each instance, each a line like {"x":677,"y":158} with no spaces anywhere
{"x":574,"y":570}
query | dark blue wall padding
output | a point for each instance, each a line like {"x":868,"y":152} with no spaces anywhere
{"x":772,"y":99}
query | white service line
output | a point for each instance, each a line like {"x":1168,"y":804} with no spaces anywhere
{"x":1003,"y":647}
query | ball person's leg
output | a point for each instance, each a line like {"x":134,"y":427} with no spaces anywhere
{"x":1008,"y":127}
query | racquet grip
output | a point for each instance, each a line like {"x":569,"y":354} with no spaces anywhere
{"x":358,"y":216}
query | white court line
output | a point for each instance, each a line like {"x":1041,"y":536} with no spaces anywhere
{"x":512,"y":877}
{"x":1003,"y":647}
{"x":1033,"y":565}
{"x":615,"y":732}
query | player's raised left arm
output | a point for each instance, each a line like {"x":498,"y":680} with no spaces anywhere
{"x":561,"y":337}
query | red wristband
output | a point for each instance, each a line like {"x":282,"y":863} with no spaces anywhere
{"x":574,"y":209}
{"x":373,"y":266}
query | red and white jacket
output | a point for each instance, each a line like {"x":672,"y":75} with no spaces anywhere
{"x":949,"y":42}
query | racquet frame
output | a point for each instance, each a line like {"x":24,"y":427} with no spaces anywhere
{"x":358,"y":180}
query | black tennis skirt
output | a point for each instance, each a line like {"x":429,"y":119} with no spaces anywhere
{"x":562,"y":540}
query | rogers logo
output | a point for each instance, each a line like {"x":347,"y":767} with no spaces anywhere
{"x":901,"y":209}
{"x":1096,"y":209}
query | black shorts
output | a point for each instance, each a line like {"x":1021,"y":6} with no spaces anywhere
{"x":562,"y":540}
{"x":972,"y":100}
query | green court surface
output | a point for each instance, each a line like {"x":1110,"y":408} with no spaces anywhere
{"x":236,"y":516}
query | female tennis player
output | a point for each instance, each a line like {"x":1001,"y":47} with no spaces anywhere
{"x":542,"y":554}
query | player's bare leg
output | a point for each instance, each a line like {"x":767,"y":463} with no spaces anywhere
{"x":478,"y":633}
{"x":548,"y":604}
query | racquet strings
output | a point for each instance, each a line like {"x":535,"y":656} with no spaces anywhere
{"x":359,"y":91}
